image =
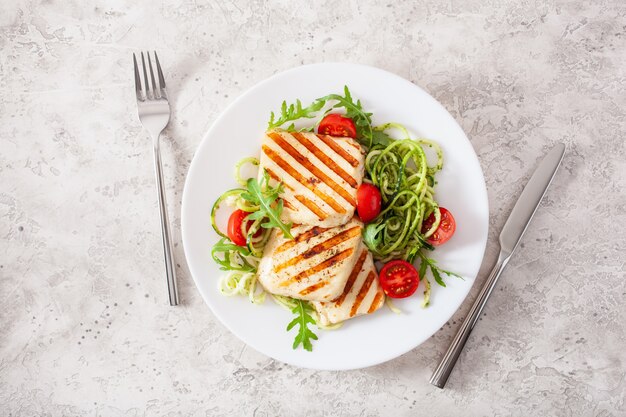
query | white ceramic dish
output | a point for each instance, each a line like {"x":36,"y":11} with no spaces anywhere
{"x":364,"y":341}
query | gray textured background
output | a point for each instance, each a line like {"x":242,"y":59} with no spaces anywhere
{"x":84,"y":325}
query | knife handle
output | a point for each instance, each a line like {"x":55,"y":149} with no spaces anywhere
{"x":443,"y":370}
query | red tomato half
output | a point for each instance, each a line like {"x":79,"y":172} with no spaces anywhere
{"x":446,"y":228}
{"x":234,"y":227}
{"x":368,"y":202}
{"x":399,"y":279}
{"x":337,"y":125}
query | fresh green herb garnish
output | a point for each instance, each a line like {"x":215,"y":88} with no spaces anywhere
{"x":436,"y":271}
{"x":361,"y":119}
{"x":266,"y":197}
{"x":294,"y":112}
{"x":367,"y":134}
{"x":233,"y":256}
{"x":372,"y":235}
{"x":303,"y":318}
{"x":379,"y":137}
{"x":422,"y":271}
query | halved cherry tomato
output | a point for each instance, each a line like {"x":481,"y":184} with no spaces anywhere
{"x":368,"y":202}
{"x":337,"y":125}
{"x":446,"y":228}
{"x":399,"y":279}
{"x":234,"y":227}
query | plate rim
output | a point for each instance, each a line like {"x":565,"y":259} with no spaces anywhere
{"x":193,"y":166}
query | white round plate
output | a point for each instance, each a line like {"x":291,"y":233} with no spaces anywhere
{"x":383,"y":335}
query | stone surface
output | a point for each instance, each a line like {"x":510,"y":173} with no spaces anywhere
{"x":84,"y":326}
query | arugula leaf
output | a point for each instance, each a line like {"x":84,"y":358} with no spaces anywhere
{"x":303,"y":318}
{"x":436,"y":271}
{"x":366,"y":133}
{"x":234,"y":256}
{"x":411,"y":254}
{"x":448,"y":273}
{"x":294,"y":112}
{"x":379,"y":137}
{"x":422,"y":271}
{"x":361,"y":119}
{"x":266,"y":197}
{"x":437,"y":276}
{"x":372,"y":235}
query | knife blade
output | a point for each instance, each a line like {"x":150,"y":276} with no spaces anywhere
{"x":529,"y":200}
{"x":509,"y":239}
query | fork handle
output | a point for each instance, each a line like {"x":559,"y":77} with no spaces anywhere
{"x":170,"y":268}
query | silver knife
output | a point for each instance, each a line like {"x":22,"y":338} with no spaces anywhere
{"x":510,"y":237}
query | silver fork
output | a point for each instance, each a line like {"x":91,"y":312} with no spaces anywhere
{"x":154,"y":114}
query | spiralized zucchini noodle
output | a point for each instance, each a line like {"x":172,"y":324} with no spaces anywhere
{"x":257,"y":236}
{"x":405,"y":178}
{"x":249,"y":160}
{"x":391,"y":306}
{"x":242,"y":283}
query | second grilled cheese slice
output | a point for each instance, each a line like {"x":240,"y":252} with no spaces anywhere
{"x":315,"y":265}
{"x":320,"y":174}
{"x":361,"y":295}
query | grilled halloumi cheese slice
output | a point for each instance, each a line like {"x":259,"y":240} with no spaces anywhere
{"x":362,"y":293}
{"x":320,"y":174}
{"x":315,"y":265}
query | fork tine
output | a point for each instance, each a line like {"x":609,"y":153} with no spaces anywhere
{"x":137,"y":80}
{"x":155,"y":91}
{"x":145,"y":77}
{"x":160,"y":73}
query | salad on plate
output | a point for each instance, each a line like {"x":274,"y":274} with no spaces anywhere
{"x":335,"y":218}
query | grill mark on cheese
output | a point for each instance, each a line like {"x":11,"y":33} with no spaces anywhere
{"x":376,"y":303}
{"x":300,"y":238}
{"x":354,"y":144}
{"x":353,"y":275}
{"x":332,"y":144}
{"x":302,"y":160}
{"x":321,"y":214}
{"x":314,"y":287}
{"x":362,"y":293}
{"x":328,"y":161}
{"x":284,"y":165}
{"x":321,"y":247}
{"x":276,"y":178}
{"x":328,"y":263}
